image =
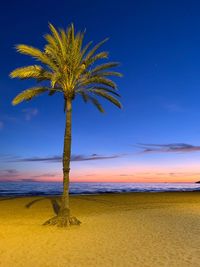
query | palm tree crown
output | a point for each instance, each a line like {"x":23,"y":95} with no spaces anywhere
{"x":70,"y":68}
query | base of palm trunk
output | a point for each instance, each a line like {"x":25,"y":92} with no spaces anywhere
{"x":63,"y":219}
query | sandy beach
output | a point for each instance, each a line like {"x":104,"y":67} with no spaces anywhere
{"x":137,"y":229}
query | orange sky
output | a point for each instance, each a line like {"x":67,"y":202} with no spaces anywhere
{"x":115,"y":170}
{"x":117,"y":174}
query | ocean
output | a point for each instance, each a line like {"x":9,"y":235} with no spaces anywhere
{"x":55,"y":188}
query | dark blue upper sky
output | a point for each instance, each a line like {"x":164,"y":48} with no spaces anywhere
{"x":158,"y":45}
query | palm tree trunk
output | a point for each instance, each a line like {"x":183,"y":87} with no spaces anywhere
{"x":63,"y":217}
{"x":66,"y":159}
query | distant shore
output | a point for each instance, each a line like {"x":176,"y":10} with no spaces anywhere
{"x":126,"y":229}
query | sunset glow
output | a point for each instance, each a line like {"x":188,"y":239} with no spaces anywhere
{"x":154,"y":138}
{"x":112,"y":173}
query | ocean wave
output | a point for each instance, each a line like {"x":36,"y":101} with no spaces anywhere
{"x":55,"y":188}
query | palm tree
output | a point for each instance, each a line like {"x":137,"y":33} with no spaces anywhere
{"x":70,"y":68}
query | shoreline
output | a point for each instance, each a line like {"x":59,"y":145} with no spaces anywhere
{"x":100,"y":193}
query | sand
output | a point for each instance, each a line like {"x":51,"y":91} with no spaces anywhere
{"x":136,"y":230}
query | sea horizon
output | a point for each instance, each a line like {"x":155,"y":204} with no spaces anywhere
{"x":35,"y":188}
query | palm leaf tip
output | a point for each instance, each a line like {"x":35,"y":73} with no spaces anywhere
{"x":97,"y":104}
{"x":53,"y":30}
{"x":12,"y":74}
{"x":19,"y":47}
{"x":72,"y":25}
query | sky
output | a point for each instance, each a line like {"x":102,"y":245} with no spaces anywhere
{"x":154,"y":138}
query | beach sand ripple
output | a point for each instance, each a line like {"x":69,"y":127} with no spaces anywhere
{"x":136,"y":229}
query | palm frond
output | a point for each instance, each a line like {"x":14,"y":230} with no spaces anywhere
{"x":85,"y":48}
{"x":30,"y":51}
{"x":35,"y":71}
{"x":37,"y":54}
{"x":97,"y":104}
{"x":97,"y":80}
{"x":84,"y":95}
{"x":105,"y":66}
{"x":51,"y":41}
{"x":87,"y":98}
{"x":92,"y":60}
{"x":109,"y":98}
{"x":104,"y":89}
{"x":108,"y":73}
{"x":94,"y":49}
{"x":57,"y":38}
{"x":29,"y":94}
{"x":69,"y":67}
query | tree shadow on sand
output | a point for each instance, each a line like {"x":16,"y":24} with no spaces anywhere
{"x":59,"y":219}
{"x":55,"y":202}
{"x":56,"y":205}
{"x":7,"y":198}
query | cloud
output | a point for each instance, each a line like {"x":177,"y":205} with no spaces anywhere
{"x":93,"y":157}
{"x":15,"y":175}
{"x":26,"y":180}
{"x":9,"y":174}
{"x":30,"y":113}
{"x":168,"y":148}
{"x":36,"y":159}
{"x":44,"y":175}
{"x":11,"y":171}
{"x":59,"y":158}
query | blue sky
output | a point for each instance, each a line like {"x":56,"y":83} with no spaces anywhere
{"x":158,"y":45}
